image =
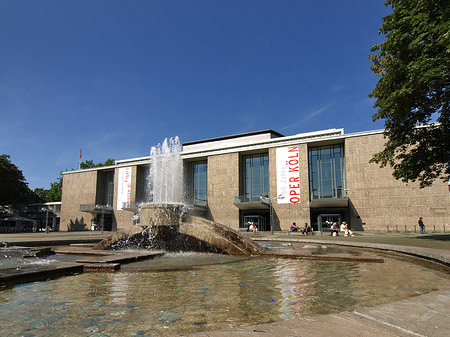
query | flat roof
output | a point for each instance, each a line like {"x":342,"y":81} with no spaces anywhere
{"x":239,"y":135}
{"x":201,"y":148}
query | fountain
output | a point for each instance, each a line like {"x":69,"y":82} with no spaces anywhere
{"x":163,"y":219}
{"x":165,"y":180}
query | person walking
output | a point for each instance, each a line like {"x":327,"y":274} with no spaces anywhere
{"x":421,"y":225}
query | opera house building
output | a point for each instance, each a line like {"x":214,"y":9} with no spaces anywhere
{"x":268,"y":179}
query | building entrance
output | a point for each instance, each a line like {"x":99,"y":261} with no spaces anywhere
{"x":260,"y":219}
{"x":323,"y":218}
{"x":103,"y":219}
{"x":324,"y":221}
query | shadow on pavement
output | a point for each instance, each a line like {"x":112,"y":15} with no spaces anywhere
{"x":441,"y":237}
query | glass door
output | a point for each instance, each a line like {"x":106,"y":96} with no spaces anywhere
{"x":324,"y":221}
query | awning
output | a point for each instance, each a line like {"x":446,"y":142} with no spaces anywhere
{"x":254,"y":204}
{"x":18,"y":218}
{"x":329,"y":202}
{"x":96,"y":209}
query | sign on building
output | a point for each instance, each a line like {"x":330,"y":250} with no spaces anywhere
{"x":288,"y":175}
{"x":124,"y":188}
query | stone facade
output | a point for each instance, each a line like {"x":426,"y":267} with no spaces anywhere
{"x":378,"y":200}
{"x":123,"y":218}
{"x":285,"y":214}
{"x":79,"y":188}
{"x":223,"y":186}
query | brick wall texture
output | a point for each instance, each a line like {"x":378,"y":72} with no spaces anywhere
{"x":379,"y":200}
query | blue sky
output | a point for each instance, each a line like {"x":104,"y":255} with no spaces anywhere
{"x":117,"y":77}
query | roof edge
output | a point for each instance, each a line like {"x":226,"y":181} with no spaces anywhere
{"x":239,"y":135}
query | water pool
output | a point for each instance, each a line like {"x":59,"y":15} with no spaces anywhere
{"x":192,"y":292}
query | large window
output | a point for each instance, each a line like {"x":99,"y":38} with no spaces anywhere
{"x":109,"y":188}
{"x":199,"y":182}
{"x":327,"y":172}
{"x":105,"y":188}
{"x":256,"y":176}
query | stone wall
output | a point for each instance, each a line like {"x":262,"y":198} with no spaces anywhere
{"x":378,"y":200}
{"x":78,"y":188}
{"x":223,"y":186}
{"x":122,"y":219}
{"x":285,"y":214}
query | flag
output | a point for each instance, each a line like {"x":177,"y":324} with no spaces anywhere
{"x":80,"y":153}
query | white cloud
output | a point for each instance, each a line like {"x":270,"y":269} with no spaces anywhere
{"x":313,"y":114}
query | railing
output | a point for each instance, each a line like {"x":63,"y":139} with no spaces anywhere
{"x":251,"y":199}
{"x":338,"y":193}
{"x":196,"y":202}
{"x":130,"y":205}
{"x":91,"y":208}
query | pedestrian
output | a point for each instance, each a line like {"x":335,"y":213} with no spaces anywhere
{"x":334,"y":231}
{"x":294,"y":228}
{"x":253,"y":228}
{"x":345,"y":229}
{"x":421,"y":225}
{"x":306,"y":229}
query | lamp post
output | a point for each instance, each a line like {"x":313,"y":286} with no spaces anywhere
{"x":102,"y":221}
{"x":267,"y":200}
{"x":102,"y":218}
{"x":46,"y":209}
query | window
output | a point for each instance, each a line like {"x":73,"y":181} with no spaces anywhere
{"x":256,"y":174}
{"x":199,"y":182}
{"x":109,"y":188}
{"x":326,"y":172}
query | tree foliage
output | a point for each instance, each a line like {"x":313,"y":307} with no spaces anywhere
{"x":90,"y":164}
{"x":413,"y":91}
{"x":55,"y":191}
{"x":42,"y":193}
{"x":52,"y":194}
{"x":14,"y":190}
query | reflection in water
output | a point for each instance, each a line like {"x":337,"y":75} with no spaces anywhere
{"x":119,"y":285}
{"x":293,"y":287}
{"x":190,"y":294}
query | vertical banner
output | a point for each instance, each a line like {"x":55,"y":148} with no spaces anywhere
{"x":288,"y":175}
{"x":124,"y":188}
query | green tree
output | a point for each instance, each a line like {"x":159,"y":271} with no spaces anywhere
{"x":413,"y":66}
{"x":86,"y":164}
{"x":14,"y":190}
{"x":42,"y":193}
{"x":55,"y":191}
{"x":52,"y":194}
{"x":90,"y":164}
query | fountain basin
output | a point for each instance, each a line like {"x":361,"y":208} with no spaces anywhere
{"x":155,"y":215}
{"x":203,"y":292}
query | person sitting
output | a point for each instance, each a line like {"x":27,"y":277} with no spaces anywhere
{"x":345,"y":229}
{"x":334,"y":231}
{"x":253,"y":228}
{"x":294,"y":228}
{"x":306,"y":229}
{"x":249,"y":224}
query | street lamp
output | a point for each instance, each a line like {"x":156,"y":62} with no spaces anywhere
{"x":102,"y":219}
{"x":266,"y":199}
{"x":46,"y":209}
